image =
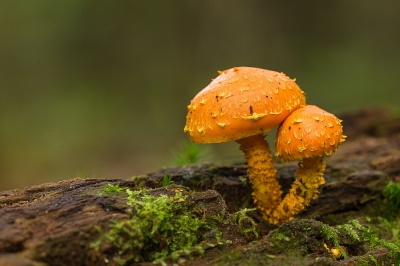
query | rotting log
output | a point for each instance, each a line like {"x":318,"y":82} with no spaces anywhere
{"x":54,"y":224}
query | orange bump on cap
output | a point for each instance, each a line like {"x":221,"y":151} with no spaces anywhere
{"x":308,"y":132}
{"x":241,"y":102}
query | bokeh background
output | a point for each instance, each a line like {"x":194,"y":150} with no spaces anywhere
{"x":100,"y":89}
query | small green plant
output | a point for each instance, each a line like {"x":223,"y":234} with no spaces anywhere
{"x":246,"y":224}
{"x":139,"y":180}
{"x":167,"y":180}
{"x":331,"y":234}
{"x":81,"y":173}
{"x":189,"y":152}
{"x":249,"y":189}
{"x":392,"y":199}
{"x":362,"y":262}
{"x":280,"y":237}
{"x":159,"y":227}
{"x":351,"y":228}
{"x":372,"y":258}
{"x":111,"y":189}
{"x":392,"y":227}
{"x":368,"y":233}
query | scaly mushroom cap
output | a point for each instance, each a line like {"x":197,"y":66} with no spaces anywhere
{"x":308,"y":132}
{"x":241,"y":102}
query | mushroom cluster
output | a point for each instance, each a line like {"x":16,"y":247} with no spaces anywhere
{"x":242,"y":104}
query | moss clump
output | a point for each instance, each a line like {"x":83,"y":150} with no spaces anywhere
{"x":277,"y":238}
{"x":139,"y":180}
{"x":331,"y":234}
{"x":246,"y":224}
{"x":112,"y":189}
{"x":368,"y":233}
{"x":392,"y":229}
{"x":159,"y":227}
{"x":372,"y":258}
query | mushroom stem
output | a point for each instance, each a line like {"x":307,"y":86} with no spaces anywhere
{"x":309,"y":178}
{"x":262,"y":173}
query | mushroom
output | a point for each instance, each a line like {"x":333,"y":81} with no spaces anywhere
{"x":241,"y":104}
{"x":308,"y":134}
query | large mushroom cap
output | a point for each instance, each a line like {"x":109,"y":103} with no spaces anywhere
{"x":308,"y":132}
{"x":241,"y":102}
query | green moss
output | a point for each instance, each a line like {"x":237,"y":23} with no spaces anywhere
{"x":282,"y":243}
{"x":331,"y":234}
{"x":139,"y":180}
{"x":362,"y":262}
{"x":369,"y":233}
{"x":372,"y":258}
{"x":392,"y":229}
{"x":279,"y":237}
{"x":350,"y":230}
{"x":247,"y":185}
{"x":246,"y":224}
{"x":300,"y":241}
{"x":159,"y":227}
{"x":111,"y":189}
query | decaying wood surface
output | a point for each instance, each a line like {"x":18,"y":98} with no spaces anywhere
{"x":53,"y":224}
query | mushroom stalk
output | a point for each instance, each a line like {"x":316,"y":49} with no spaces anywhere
{"x":309,"y":178}
{"x":262,"y":173}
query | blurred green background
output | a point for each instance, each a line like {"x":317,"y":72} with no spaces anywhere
{"x":100,"y":89}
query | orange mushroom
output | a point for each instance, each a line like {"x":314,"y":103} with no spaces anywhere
{"x":241,"y":104}
{"x":308,"y":135}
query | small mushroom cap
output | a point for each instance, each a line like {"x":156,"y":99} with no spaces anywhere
{"x":241,"y":102}
{"x":308,"y":132}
